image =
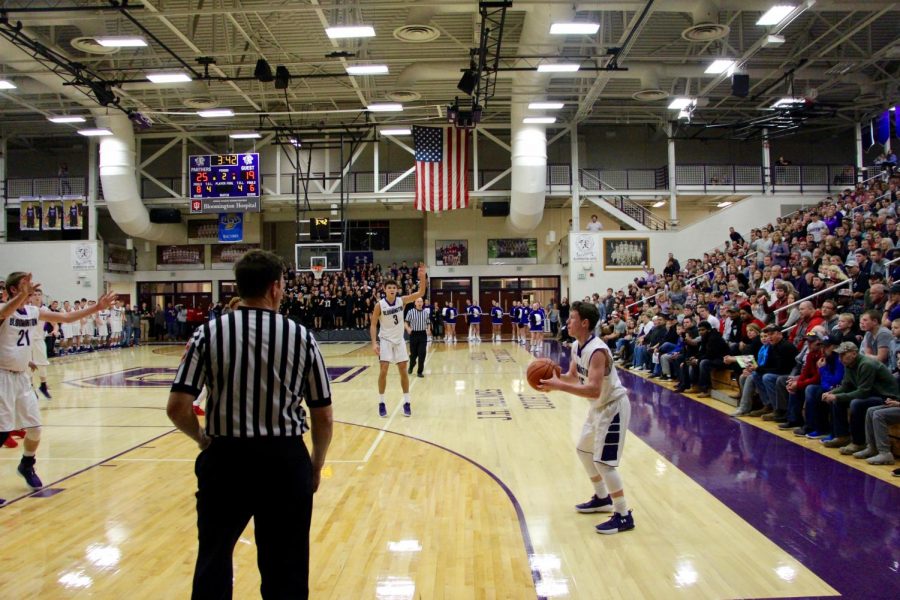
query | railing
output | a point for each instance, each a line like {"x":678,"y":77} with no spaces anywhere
{"x":689,"y":178}
{"x":632,"y":209}
{"x":811,"y":296}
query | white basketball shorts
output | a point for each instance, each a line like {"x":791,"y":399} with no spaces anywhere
{"x":603,"y":434}
{"x":18,"y":402}
{"x":393,"y":352}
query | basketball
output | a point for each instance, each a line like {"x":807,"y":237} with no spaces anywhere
{"x":541,"y":368}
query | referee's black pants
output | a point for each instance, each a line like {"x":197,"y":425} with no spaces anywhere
{"x":418,"y":341}
{"x":269,"y":479}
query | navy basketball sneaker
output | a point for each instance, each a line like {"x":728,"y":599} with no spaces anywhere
{"x":616,"y":524}
{"x":26,"y":470}
{"x":595,"y":505}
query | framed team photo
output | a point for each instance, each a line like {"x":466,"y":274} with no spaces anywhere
{"x":171,"y":258}
{"x":451,"y":253}
{"x":52,"y":210}
{"x":626,"y":254}
{"x":30,"y":215}
{"x":225,"y":255}
{"x":513,"y":251}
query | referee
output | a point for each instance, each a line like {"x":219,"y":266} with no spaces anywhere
{"x":416,"y":325}
{"x":257,"y":366}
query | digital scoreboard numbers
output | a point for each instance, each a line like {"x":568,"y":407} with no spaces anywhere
{"x":224,"y":175}
{"x":224,"y":182}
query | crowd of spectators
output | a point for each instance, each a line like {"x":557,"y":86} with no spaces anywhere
{"x":803,"y":314}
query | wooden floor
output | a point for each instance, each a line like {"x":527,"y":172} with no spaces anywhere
{"x":426,"y":507}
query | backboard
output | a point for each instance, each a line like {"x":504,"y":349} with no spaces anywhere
{"x":308,"y":254}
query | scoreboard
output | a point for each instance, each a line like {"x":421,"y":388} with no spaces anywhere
{"x":224,"y":176}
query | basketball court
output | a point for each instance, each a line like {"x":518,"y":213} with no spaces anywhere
{"x":470,"y":498}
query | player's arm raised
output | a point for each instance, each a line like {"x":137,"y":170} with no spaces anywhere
{"x":591,"y":389}
{"x":419,"y":293}
{"x":373,"y":327}
{"x":25,"y":289}
{"x":104,"y":302}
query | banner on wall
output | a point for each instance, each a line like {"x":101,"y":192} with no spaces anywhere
{"x":73,"y":212}
{"x":84,"y":256}
{"x":231,"y":227}
{"x":202,"y":230}
{"x":52,"y":210}
{"x":224,"y":257}
{"x":30,"y":215}
{"x":586,"y":247}
{"x":352,"y":259}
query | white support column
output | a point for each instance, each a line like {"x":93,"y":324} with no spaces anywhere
{"x":93,"y":188}
{"x":184,"y":168}
{"x":766,"y":163}
{"x":5,"y":191}
{"x":673,"y":186}
{"x":138,"y":160}
{"x":278,"y":152}
{"x":860,"y":175}
{"x":576,"y":176}
{"x":376,"y":174}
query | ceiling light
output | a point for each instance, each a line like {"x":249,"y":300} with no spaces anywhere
{"x":545,"y":105}
{"x":245,"y":135}
{"x":558,"y":68}
{"x":776,"y":14}
{"x":215,"y":112}
{"x":6,"y":84}
{"x":544,"y":120}
{"x":358,"y":31}
{"x":121,"y":42}
{"x":385,"y":107}
{"x":659,"y":204}
{"x":396,"y":131}
{"x":681,"y":103}
{"x":724,"y":204}
{"x":367,"y":70}
{"x":720,"y":66}
{"x":168,"y":77}
{"x":788,"y":102}
{"x":772,"y":41}
{"x":295,"y":142}
{"x":574,"y":28}
{"x":94,"y":132}
{"x":66,"y":119}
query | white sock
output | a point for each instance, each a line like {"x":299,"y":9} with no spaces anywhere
{"x":600,"y":489}
{"x":405,"y":398}
{"x":381,"y":398}
{"x":620,"y":505}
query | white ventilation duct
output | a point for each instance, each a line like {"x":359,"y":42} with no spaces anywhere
{"x":117,"y":165}
{"x":120,"y":190}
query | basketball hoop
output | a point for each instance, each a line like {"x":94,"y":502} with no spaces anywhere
{"x":317,"y":271}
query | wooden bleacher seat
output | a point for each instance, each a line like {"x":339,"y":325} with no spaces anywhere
{"x":723,"y":385}
{"x":894,"y":433}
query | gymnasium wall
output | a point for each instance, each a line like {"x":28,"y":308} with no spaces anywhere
{"x":51,"y":264}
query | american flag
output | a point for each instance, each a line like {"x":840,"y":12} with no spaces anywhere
{"x":442,"y":172}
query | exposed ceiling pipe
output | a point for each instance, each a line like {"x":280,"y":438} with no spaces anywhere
{"x":117,"y":158}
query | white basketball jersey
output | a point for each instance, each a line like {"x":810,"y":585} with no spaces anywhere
{"x":115,"y":315}
{"x":612,"y":389}
{"x":391,"y":321}
{"x":17,"y":333}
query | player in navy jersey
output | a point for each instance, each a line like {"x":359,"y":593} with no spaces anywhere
{"x":73,"y":215}
{"x":514,"y":314}
{"x":524,"y":315}
{"x":496,"y":320}
{"x":29,"y":217}
{"x":449,"y":323}
{"x":473,"y":318}
{"x":52,"y":215}
{"x":536,"y":322}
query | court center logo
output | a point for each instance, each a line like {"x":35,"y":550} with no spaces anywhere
{"x":161,"y":377}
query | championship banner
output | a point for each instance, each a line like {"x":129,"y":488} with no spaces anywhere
{"x":231,"y":227}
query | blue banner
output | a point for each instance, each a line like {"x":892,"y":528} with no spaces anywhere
{"x":883,"y":128}
{"x":231,"y":227}
{"x":351,"y":259}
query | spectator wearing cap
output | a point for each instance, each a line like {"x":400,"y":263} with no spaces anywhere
{"x":779,"y":360}
{"x":876,"y":342}
{"x":808,"y":375}
{"x":831,"y":372}
{"x":866,"y":383}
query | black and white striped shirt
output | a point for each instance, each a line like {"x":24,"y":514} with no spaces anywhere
{"x":418,"y":319}
{"x":257,"y":366}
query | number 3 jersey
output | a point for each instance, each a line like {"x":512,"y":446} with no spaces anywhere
{"x":391,"y":321}
{"x":16,"y":335}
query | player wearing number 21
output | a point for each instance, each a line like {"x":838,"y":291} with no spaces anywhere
{"x":19,"y":325}
{"x":386,"y":329}
{"x":592,"y":375}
